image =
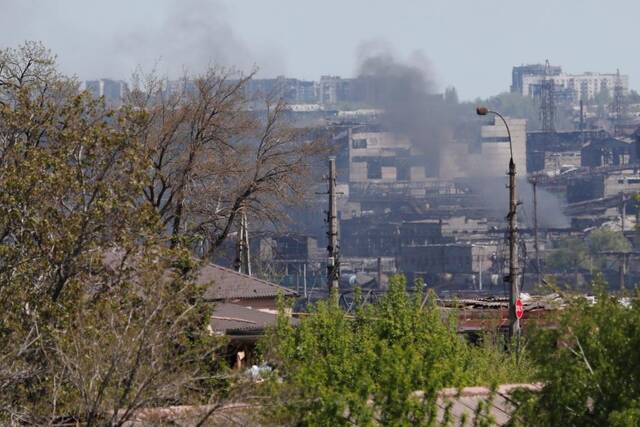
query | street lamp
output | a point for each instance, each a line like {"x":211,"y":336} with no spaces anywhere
{"x":514,"y":293}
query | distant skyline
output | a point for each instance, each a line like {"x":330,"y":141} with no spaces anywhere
{"x":470,"y":44}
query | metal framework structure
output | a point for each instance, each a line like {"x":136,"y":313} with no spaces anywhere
{"x":618,"y":105}
{"x":547,"y":101}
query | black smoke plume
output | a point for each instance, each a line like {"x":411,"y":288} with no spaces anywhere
{"x":406,"y":91}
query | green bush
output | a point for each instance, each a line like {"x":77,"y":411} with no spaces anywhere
{"x":337,"y":369}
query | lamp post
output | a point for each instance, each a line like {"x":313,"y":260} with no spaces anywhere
{"x":514,"y":293}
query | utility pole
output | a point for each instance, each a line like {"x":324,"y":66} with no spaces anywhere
{"x":243,"y":258}
{"x":623,"y":211}
{"x":536,"y":248}
{"x":623,"y":259}
{"x":304,"y":279}
{"x":623,"y":217}
{"x":623,"y":265}
{"x":333,"y":252}
{"x":512,"y":278}
{"x":514,"y":323}
{"x":481,"y":259}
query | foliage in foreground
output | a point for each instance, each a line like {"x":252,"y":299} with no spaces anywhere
{"x":95,"y":321}
{"x":338,"y":369}
{"x":589,"y":365}
{"x":99,"y":315}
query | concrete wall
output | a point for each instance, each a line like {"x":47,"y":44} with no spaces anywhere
{"x":495,"y":146}
{"x":446,"y":258}
{"x":618,"y":183}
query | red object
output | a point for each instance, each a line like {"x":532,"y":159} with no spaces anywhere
{"x":519,"y":309}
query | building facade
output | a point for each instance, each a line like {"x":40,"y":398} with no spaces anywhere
{"x":113,"y":91}
{"x":520,"y":71}
{"x":576,"y":87}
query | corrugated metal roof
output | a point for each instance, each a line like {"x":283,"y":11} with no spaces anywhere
{"x":226,"y":284}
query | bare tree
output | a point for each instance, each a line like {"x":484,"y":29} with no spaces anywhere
{"x":217,"y":152}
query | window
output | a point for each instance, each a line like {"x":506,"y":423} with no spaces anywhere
{"x":359,"y":143}
{"x":374,"y":169}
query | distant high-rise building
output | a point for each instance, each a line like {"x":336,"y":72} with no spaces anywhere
{"x":113,"y":91}
{"x":333,"y":90}
{"x":293,"y":91}
{"x":518,"y":73}
{"x":528,"y":80}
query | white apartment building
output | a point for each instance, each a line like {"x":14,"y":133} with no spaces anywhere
{"x":584,"y":86}
{"x":113,"y":91}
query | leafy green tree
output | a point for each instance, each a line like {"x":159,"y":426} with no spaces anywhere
{"x":515,"y":105}
{"x":98,"y":318}
{"x":366,"y":368}
{"x":633,"y":97}
{"x":603,"y":97}
{"x":604,"y":239}
{"x":589,"y":366}
{"x":574,"y":254}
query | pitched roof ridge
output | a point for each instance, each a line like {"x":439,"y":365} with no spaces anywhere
{"x":229,"y":270}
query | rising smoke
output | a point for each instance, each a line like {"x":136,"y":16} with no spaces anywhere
{"x":174,"y":36}
{"x":193,"y":35}
{"x":408,"y":94}
{"x":406,"y":91}
{"x":494,"y":198}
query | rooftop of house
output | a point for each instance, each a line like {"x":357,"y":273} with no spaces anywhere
{"x":226,"y":284}
{"x":233,"y":319}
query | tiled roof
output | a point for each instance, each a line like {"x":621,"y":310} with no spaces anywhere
{"x":230,"y":318}
{"x":226,"y":284}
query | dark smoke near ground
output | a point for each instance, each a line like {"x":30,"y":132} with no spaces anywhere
{"x":495,"y":198}
{"x":406,"y":92}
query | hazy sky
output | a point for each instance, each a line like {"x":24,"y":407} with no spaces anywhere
{"x":471,"y":44}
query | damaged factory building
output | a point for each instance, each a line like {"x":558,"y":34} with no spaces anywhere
{"x":421,"y":183}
